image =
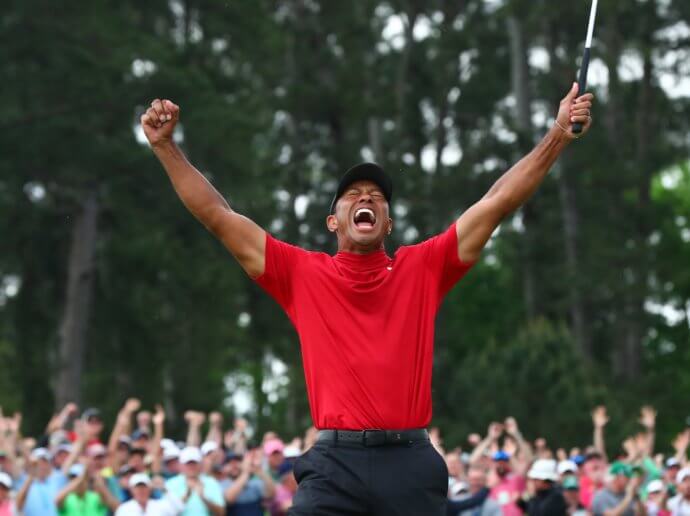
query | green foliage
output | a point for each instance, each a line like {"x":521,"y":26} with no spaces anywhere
{"x":536,"y":376}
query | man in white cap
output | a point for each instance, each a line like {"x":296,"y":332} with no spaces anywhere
{"x":547,"y":499}
{"x":656,"y":498}
{"x":40,"y":485}
{"x":679,"y":505}
{"x":203,"y":494}
{"x":7,"y":507}
{"x":141,"y":503}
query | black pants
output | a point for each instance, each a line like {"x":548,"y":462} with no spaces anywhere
{"x":351,"y":479}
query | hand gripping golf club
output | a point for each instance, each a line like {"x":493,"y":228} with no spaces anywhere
{"x":582,"y":81}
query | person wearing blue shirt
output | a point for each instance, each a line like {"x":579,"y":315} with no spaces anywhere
{"x":201,"y":494}
{"x":39,"y":486}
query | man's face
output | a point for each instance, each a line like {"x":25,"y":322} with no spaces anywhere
{"x":172,"y":466}
{"x":233,"y":468}
{"x":59,"y":458}
{"x":572,"y":496}
{"x":136,"y":462}
{"x":361,"y":218}
{"x":619,"y":483}
{"x":476,"y":478}
{"x":275,"y":459}
{"x":191,"y":469}
{"x":502,"y":468}
{"x":671,"y":474}
{"x":4,"y":493}
{"x":141,"y":493}
{"x":594,"y":469}
{"x":684,"y":488}
{"x":43,"y":468}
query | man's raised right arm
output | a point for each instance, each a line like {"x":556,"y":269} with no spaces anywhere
{"x":240,"y":235}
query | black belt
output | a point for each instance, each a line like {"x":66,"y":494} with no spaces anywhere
{"x":374,"y":437}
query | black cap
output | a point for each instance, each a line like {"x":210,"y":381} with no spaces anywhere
{"x":364,"y":171}
{"x":91,"y":413}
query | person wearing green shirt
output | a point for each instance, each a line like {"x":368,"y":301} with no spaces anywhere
{"x":85,"y":495}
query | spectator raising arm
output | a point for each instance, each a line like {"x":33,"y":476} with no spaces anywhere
{"x":648,"y":421}
{"x":24,"y":491}
{"x":492,"y":436}
{"x":194,"y":420}
{"x":123,"y":426}
{"x":158,"y":420}
{"x":522,"y":459}
{"x":215,"y":428}
{"x":599,"y":419}
{"x":680,"y":444}
{"x":77,"y":448}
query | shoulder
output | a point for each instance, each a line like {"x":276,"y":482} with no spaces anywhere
{"x":674,"y":501}
{"x":174,"y":482}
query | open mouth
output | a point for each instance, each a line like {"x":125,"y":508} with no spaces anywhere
{"x":364,"y":218}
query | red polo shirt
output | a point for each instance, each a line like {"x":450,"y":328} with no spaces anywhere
{"x":366,"y":327}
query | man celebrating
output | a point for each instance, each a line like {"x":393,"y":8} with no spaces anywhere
{"x":365,"y":320}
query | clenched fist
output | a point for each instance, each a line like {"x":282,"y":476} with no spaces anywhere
{"x":159,"y":121}
{"x":574,"y":109}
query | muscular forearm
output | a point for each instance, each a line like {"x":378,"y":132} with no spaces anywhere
{"x":195,"y":191}
{"x":519,"y":183}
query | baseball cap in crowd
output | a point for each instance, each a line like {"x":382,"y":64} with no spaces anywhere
{"x":571,"y":483}
{"x":620,"y":468}
{"x":124,"y":440}
{"x":364,"y":171}
{"x":231,"y":455}
{"x":125,"y":470}
{"x":190,"y":454}
{"x":41,"y":454}
{"x":138,"y":451}
{"x":272,"y":446}
{"x":140,"y":433}
{"x":578,"y":459}
{"x":63,"y":448}
{"x":500,"y":455}
{"x":139,"y":479}
{"x":208,"y":447}
{"x":91,"y":414}
{"x":672,"y":462}
{"x":291,"y":452}
{"x":5,"y":480}
{"x":682,"y":475}
{"x":96,"y":450}
{"x":592,"y":454}
{"x":567,"y":466}
{"x":655,"y":486}
{"x":168,"y":443}
{"x":76,"y":470}
{"x":171,"y":453}
{"x":543,"y":469}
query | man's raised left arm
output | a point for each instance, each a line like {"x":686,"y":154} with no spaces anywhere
{"x":475,"y":226}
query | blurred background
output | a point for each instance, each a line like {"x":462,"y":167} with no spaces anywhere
{"x":110,"y":289}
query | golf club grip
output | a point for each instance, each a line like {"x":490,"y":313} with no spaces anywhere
{"x":582,"y":82}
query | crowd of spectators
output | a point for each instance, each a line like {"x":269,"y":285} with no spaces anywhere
{"x":74,"y":469}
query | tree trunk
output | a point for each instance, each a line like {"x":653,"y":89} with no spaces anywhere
{"x":569,"y":214}
{"x":523,"y":122}
{"x":74,"y":325}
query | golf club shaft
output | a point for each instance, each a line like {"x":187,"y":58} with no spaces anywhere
{"x":582,"y":81}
